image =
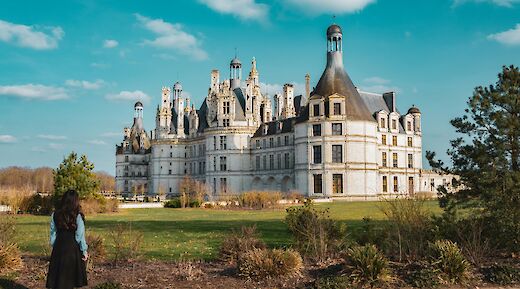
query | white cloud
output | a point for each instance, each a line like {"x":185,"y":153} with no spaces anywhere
{"x":56,"y":146}
{"x":52,"y":137}
{"x":503,"y":3}
{"x":30,"y":36}
{"x":5,"y":138}
{"x":97,"y":142}
{"x":376,"y":80}
{"x":243,"y":9}
{"x":110,"y":43}
{"x":85,"y":84}
{"x":378,"y":84}
{"x":129,"y":95}
{"x":172,"y":36}
{"x":316,"y":7}
{"x":34,"y":91}
{"x":509,"y":37}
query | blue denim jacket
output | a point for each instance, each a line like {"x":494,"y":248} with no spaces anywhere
{"x":80,"y":233}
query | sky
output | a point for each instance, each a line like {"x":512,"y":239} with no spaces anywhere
{"x":71,"y":70}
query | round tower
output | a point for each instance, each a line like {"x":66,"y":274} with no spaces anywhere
{"x":177,"y":90}
{"x":235,"y":72}
{"x":138,"y":110}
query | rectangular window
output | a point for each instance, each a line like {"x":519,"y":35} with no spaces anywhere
{"x":409,"y":125}
{"x":410,"y":185}
{"x":384,"y":161}
{"x":410,"y":161}
{"x":126,"y":158}
{"x":316,"y":129}
{"x":214,"y":143}
{"x":257,"y":144}
{"x":394,"y":124}
{"x":385,"y":184}
{"x":225,"y":122}
{"x":223,"y":185}
{"x":271,"y":162}
{"x":169,"y":172}
{"x":432,"y":185}
{"x":279,"y":161}
{"x":257,"y":162}
{"x":337,"y":129}
{"x":337,"y":153}
{"x":263,"y":143}
{"x":317,"y":154}
{"x":225,"y":105}
{"x":271,"y":142}
{"x":223,"y":163}
{"x":383,"y":139}
{"x":410,"y":141}
{"x":316,"y":110}
{"x":394,"y":160}
{"x":317,"y":184}
{"x":286,"y":160}
{"x":394,"y":140}
{"x":264,"y":161}
{"x":383,"y":122}
{"x":396,"y":185}
{"x":337,"y":108}
{"x":223,"y":142}
{"x":286,"y":140}
{"x":337,"y":184}
{"x":214,"y":163}
{"x":278,"y":141}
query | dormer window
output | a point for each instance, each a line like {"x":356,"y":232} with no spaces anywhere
{"x":408,"y":125}
{"x":394,"y":124}
{"x":265,"y":129}
{"x":316,"y":110}
{"x":225,"y":106}
{"x":337,"y":108}
{"x":382,"y":122}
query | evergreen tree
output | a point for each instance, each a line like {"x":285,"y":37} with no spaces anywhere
{"x":487,"y":158}
{"x":74,"y":173}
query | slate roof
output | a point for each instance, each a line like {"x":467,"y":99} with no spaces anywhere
{"x":272,"y":127}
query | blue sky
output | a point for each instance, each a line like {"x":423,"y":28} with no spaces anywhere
{"x":71,"y":70}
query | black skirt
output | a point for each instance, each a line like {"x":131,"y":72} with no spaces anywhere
{"x":67,"y":270}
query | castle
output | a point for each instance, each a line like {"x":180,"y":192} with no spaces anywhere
{"x":334,"y":141}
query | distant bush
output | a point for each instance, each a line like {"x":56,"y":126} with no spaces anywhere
{"x":96,"y":250}
{"x":448,"y":258}
{"x":177,"y":202}
{"x":421,"y":275}
{"x":108,"y":285}
{"x":99,"y":205}
{"x":173,"y":203}
{"x":267,"y":263}
{"x":126,"y":243}
{"x":38,"y":205}
{"x":410,"y":228}
{"x":315,"y":233}
{"x":367,"y":266}
{"x":259,"y":200}
{"x":332,"y":282}
{"x":239,"y":242}
{"x":502,"y":274}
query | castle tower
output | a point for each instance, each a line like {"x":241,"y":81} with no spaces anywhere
{"x":214,"y":80}
{"x":179,"y":108}
{"x":278,"y":106}
{"x":307,"y":88}
{"x":165,"y":112}
{"x":253,"y":75}
{"x":235,"y":73}
{"x":288,"y":101}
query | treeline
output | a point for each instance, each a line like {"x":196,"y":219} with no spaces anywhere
{"x":42,"y":179}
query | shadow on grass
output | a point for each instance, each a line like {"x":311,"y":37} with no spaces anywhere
{"x":10,"y":284}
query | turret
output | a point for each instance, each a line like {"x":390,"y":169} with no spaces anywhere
{"x":235,"y":73}
{"x":288,"y":104}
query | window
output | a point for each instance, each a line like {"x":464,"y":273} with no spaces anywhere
{"x":410,"y":141}
{"x":337,"y":108}
{"x":271,"y":142}
{"x":278,"y":141}
{"x":223,"y":163}
{"x":171,"y":154}
{"x":214,"y":163}
{"x":316,"y":129}
{"x":257,"y":143}
{"x":214,"y":143}
{"x":317,"y":184}
{"x":394,"y":160}
{"x":225,"y":122}
{"x":394,"y":124}
{"x":383,"y":139}
{"x":225,"y":106}
{"x":264,"y":161}
{"x":337,"y":184}
{"x":383,"y":157}
{"x":279,"y":161}
{"x":385,"y":184}
{"x":286,"y":140}
{"x":257,"y":162}
{"x":169,"y":172}
{"x":223,"y":142}
{"x":396,"y":185}
{"x":394,"y":140}
{"x":126,"y":158}
{"x":316,"y":110}
{"x":317,"y":154}
{"x":337,"y":153}
{"x":337,"y":129}
{"x":382,"y":123}
{"x":286,"y":160}
{"x":410,"y":185}
{"x":271,"y":162}
{"x":409,"y":125}
{"x":263,"y":143}
{"x":223,"y":185}
{"x":410,"y":161}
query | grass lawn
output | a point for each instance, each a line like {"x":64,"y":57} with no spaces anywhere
{"x":172,"y":234}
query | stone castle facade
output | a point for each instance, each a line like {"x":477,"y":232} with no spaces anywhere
{"x":334,"y":141}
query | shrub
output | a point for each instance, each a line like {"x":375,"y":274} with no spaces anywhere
{"x":108,"y":285}
{"x":370,"y":233}
{"x":332,"y":282}
{"x":410,"y":228}
{"x":266,"y":263}
{"x":10,"y":258}
{"x":126,"y":243}
{"x":501,"y":274}
{"x":315,"y":233}
{"x":422,"y":275}
{"x":237,"y":243}
{"x":448,"y":258}
{"x":367,"y":266}
{"x":38,"y":205}
{"x":173,"y":203}
{"x":96,"y":250}
{"x":99,"y":205}
{"x":8,"y":229}
{"x":259,"y":200}
{"x":188,"y":270}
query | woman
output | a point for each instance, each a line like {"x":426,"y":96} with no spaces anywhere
{"x":67,"y":268}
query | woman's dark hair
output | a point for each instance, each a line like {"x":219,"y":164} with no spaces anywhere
{"x":68,"y":211}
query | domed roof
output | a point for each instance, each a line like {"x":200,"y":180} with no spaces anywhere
{"x":235,"y":61}
{"x":177,"y":86}
{"x":334,"y":28}
{"x":414,"y":109}
{"x":138,"y":104}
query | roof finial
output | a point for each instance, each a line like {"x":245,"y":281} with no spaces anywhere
{"x":236,"y":52}
{"x":333,"y":18}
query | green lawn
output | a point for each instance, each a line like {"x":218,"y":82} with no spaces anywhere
{"x":194,"y":233}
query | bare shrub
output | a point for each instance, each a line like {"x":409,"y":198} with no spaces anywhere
{"x":10,"y":258}
{"x":266,"y":263}
{"x":7,"y":229}
{"x":96,"y":249}
{"x":315,"y":233}
{"x":239,"y":242}
{"x":16,"y":199}
{"x":99,"y":205}
{"x":368,"y":266}
{"x":189,"y":270}
{"x":126,"y":243}
{"x":259,"y":200}
{"x":410,"y":228}
{"x":192,"y":192}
